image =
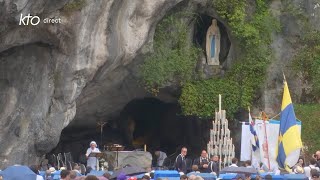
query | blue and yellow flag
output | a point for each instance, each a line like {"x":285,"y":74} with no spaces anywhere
{"x":289,"y":135}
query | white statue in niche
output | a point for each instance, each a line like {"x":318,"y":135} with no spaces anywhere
{"x":213,"y":43}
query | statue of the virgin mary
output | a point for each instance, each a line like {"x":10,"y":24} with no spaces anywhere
{"x":213,"y":43}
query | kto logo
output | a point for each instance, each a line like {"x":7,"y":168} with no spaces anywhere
{"x":34,"y":20}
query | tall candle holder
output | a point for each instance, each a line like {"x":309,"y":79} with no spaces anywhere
{"x":220,"y":143}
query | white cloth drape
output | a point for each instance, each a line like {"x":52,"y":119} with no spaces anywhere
{"x":272,"y":129}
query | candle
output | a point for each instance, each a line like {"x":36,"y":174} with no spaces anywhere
{"x":227,"y":123}
{"x":145,"y":148}
{"x":227,"y":133}
{"x":219,"y":103}
{"x":221,"y":115}
{"x":226,"y":150}
{"x":220,"y":163}
{"x":233,"y":151}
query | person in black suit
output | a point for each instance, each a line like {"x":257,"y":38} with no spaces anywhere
{"x":202,"y":162}
{"x":180,"y":163}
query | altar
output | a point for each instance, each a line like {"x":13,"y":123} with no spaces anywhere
{"x":116,"y":159}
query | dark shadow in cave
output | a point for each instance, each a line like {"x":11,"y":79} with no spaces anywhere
{"x":142,"y":121}
{"x":145,"y":121}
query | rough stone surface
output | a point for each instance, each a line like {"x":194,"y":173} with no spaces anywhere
{"x":50,"y":72}
{"x":285,"y":47}
{"x":134,"y":158}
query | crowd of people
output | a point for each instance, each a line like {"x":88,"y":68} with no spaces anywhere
{"x":311,"y":169}
{"x":205,"y":165}
{"x":201,"y":164}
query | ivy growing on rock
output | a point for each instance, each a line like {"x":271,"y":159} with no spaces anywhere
{"x":309,"y":115}
{"x":243,"y":80}
{"x":174,"y":59}
{"x":306,"y":61}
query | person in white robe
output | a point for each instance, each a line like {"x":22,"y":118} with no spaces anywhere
{"x":92,"y":161}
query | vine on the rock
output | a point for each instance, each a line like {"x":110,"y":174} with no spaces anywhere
{"x":309,"y":115}
{"x":243,"y":80}
{"x":306,"y":61}
{"x":175,"y":59}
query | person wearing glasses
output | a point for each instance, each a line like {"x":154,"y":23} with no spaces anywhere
{"x":202,"y":162}
{"x":180,"y":163}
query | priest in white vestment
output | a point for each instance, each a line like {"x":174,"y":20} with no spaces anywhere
{"x":92,"y":161}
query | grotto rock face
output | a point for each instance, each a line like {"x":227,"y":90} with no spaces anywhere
{"x":285,"y":46}
{"x":50,"y":72}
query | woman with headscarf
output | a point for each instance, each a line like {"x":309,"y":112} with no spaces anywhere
{"x":92,"y":161}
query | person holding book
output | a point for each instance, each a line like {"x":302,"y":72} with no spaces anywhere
{"x":92,"y":161}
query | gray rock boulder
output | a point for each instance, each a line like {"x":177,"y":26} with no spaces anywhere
{"x":50,"y":72}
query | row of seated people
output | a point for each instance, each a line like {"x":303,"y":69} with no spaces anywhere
{"x":200,"y":164}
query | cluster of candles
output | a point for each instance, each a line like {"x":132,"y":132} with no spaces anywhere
{"x":220,"y":143}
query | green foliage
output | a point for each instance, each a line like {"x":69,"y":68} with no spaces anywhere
{"x":296,"y":13}
{"x":74,"y":5}
{"x":174,"y":59}
{"x":200,"y":97}
{"x":244,"y":78}
{"x":309,"y":115}
{"x":307,"y":61}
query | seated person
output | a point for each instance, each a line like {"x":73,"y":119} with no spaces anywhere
{"x":234,"y":162}
{"x":184,"y":177}
{"x":314,"y":174}
{"x":248,"y":164}
{"x":202,"y":162}
{"x":214,"y":165}
{"x":195,"y":169}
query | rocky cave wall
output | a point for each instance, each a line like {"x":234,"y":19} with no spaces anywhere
{"x":84,"y":69}
{"x":46,"y":67}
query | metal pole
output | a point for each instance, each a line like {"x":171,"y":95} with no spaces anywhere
{"x":266,"y":139}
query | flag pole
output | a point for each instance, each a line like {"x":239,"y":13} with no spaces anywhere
{"x":251,"y":154}
{"x":266,"y":139}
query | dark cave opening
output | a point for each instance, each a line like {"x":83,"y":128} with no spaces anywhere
{"x":142,"y":121}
